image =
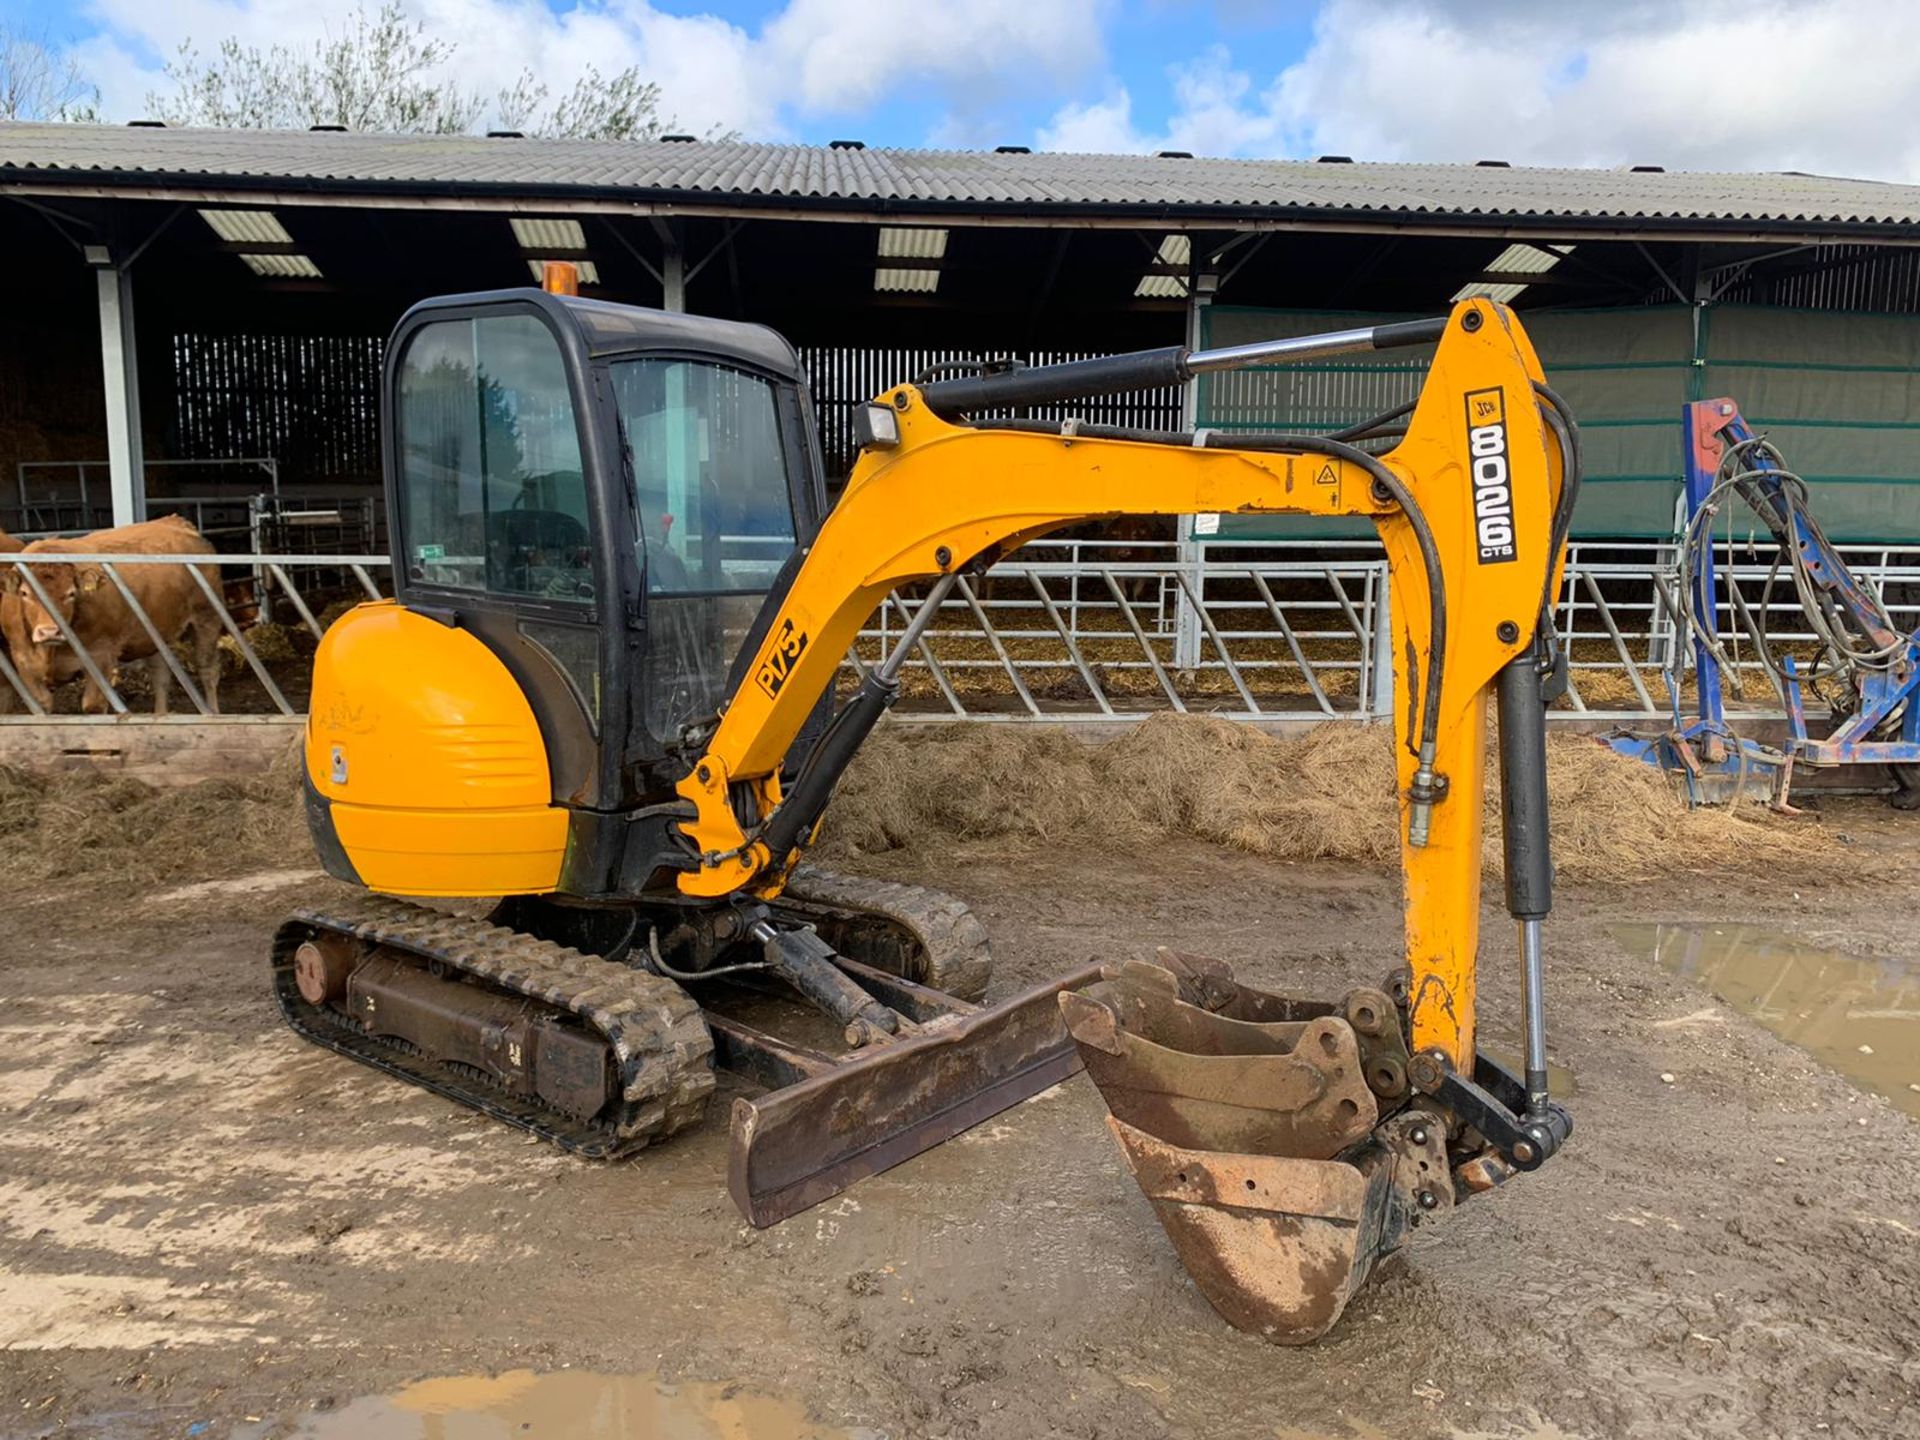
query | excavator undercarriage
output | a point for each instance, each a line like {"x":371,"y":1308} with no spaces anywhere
{"x":603,"y":1056}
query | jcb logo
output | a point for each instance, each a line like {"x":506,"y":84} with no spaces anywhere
{"x":1492,"y":484}
{"x":788,"y":646}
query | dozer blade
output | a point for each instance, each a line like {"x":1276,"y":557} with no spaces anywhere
{"x":1259,"y":1144}
{"x":794,"y":1147}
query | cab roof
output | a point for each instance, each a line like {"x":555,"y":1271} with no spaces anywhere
{"x":609,"y":329}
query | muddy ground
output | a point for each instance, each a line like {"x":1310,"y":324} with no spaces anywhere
{"x":204,"y":1221}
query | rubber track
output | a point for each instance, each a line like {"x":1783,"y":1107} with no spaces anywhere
{"x":663,"y":1050}
{"x":956,"y":957}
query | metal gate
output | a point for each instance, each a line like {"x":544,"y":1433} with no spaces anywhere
{"x":1087,"y":630}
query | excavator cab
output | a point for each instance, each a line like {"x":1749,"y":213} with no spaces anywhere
{"x":603,"y":497}
{"x":600,"y":697}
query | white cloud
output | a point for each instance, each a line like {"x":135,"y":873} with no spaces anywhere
{"x":1824,"y":85}
{"x":1211,"y":116}
{"x":1099,"y":127}
{"x":1821,"y":85}
{"x":843,"y":55}
{"x":811,"y":58}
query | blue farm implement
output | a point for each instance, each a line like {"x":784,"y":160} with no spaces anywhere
{"x":1864,"y":666}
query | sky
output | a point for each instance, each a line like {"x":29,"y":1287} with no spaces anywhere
{"x":1829,"y":86}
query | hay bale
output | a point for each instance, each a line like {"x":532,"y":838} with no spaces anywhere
{"x":1618,"y":819}
{"x":969,"y":782}
{"x":1323,"y":795}
{"x":272,"y":643}
{"x":20,"y":795}
{"x":81,"y":824}
{"x":1328,"y":794}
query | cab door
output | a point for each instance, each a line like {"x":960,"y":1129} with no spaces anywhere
{"x":497,"y":523}
{"x":723,"y":487}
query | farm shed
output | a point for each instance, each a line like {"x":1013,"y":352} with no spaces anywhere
{"x":206,"y":309}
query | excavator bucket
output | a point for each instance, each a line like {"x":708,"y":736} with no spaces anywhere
{"x":1255,"y":1130}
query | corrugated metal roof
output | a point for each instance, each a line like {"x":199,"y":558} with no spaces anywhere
{"x":895,"y":181}
{"x":533,"y":233}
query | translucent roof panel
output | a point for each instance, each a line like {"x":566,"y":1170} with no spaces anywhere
{"x":900,"y":280}
{"x":247,"y":227}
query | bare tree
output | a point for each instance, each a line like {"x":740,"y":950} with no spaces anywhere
{"x":38,"y":82}
{"x":385,"y":72}
{"x":381,"y":72}
{"x":627,"y":107}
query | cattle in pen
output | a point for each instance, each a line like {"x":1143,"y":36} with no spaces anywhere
{"x":95,"y":611}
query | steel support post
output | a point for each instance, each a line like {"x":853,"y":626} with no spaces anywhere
{"x":673,"y":278}
{"x":1382,"y":668}
{"x":120,"y":375}
{"x":1192,"y":554}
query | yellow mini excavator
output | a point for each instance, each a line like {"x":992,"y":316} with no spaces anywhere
{"x":602,"y":696}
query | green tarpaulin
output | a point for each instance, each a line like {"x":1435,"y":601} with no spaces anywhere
{"x":1838,"y":392}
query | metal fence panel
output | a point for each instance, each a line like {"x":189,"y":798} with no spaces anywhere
{"x":249,"y":584}
{"x":1068,"y":630}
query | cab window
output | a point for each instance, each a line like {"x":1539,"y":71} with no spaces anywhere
{"x":493,"y":496}
{"x":712,"y":500}
{"x":709,"y":475}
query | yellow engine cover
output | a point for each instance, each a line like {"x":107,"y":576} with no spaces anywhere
{"x":430,"y":759}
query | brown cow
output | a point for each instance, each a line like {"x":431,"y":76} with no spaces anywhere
{"x":95,"y":611}
{"x":9,"y":700}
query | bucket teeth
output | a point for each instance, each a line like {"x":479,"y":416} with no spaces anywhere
{"x":1249,"y":1122}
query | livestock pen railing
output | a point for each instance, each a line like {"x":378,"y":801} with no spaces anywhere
{"x":1099,"y":629}
{"x":1068,"y":630}
{"x":58,"y":496}
{"x":249,"y":586}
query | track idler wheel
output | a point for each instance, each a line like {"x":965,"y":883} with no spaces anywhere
{"x":323,"y":965}
{"x":1260,"y":1143}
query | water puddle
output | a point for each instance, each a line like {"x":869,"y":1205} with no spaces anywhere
{"x":1860,"y":1016}
{"x":573,"y":1404}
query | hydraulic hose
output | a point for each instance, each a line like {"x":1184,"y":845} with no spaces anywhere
{"x":1779,"y":498}
{"x":1376,"y":427}
{"x":1566,"y":432}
